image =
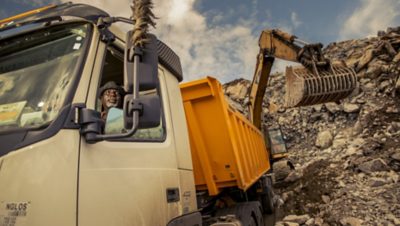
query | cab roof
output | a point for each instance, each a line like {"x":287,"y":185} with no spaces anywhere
{"x":87,"y":12}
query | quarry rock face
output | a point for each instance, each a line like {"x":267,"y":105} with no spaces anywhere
{"x":351,"y":176}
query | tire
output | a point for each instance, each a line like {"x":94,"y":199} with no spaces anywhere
{"x":267,"y":202}
{"x":252,"y":222}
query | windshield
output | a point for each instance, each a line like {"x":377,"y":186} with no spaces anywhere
{"x":36,"y":72}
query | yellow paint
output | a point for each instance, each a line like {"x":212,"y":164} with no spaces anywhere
{"x":227,"y":149}
{"x":25,"y":14}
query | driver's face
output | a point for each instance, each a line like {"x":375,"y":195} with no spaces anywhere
{"x":111,"y":98}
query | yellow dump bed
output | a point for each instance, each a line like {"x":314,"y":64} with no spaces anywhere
{"x":227,"y":150}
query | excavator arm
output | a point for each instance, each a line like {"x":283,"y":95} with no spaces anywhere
{"x":317,"y":81}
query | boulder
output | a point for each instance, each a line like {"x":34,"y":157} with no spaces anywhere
{"x":376,"y":182}
{"x":310,"y":222}
{"x":324,"y":139}
{"x":374,"y":165}
{"x":299,"y":219}
{"x":351,"y":108}
{"x":325,"y":199}
{"x":373,"y":71}
{"x":396,"y":156}
{"x":365,"y":59}
{"x":293,"y":176}
{"x":351,"y":221}
{"x":396,"y":58}
{"x":333,"y":107}
{"x":237,"y":91}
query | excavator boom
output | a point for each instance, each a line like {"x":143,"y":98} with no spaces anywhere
{"x":316,"y":81}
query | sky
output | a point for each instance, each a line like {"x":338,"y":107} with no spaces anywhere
{"x":220,"y":38}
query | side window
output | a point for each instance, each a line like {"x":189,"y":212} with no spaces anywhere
{"x":111,"y":96}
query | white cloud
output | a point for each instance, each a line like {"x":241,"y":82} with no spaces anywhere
{"x":370,"y":17}
{"x":295,"y":20}
{"x":226,"y":52}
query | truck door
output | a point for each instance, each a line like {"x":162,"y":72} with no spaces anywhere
{"x":133,"y":181}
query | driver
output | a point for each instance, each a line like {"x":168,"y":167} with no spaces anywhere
{"x":111,"y":96}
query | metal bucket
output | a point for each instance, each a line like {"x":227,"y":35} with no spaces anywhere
{"x":305,"y":87}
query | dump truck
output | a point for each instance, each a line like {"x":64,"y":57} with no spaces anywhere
{"x":174,"y":154}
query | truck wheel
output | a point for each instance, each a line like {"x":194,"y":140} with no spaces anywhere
{"x":267,"y":202}
{"x":252,"y":222}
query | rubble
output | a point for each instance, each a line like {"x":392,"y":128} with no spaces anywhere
{"x":324,"y":139}
{"x":296,"y":219}
{"x":352,"y":177}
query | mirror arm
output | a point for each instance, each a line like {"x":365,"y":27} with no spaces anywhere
{"x":135,"y":116}
{"x":92,"y":138}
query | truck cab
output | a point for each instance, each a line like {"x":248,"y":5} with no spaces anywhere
{"x":52,"y":65}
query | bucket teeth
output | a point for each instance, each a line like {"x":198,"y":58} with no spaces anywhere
{"x":303,"y":87}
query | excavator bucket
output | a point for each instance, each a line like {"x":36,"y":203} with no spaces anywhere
{"x":307,"y":87}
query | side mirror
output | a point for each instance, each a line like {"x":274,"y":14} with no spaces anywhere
{"x":147,"y":70}
{"x":114,"y":123}
{"x":149,"y":107}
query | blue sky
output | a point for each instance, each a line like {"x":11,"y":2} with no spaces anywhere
{"x":219,"y":38}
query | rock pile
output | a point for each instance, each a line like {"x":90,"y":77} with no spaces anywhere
{"x":347,"y":155}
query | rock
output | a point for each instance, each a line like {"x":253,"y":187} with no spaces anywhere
{"x":352,"y":151}
{"x":385,"y":84}
{"x":393,"y":219}
{"x":287,"y":195}
{"x":310,"y":222}
{"x":365,"y":59}
{"x":325,"y":199}
{"x":324,"y":139}
{"x":393,"y":177}
{"x":358,"y":142}
{"x":381,"y":33}
{"x":375,"y":165}
{"x":375,"y":182}
{"x":392,"y":30}
{"x":369,"y":86}
{"x":392,"y":109}
{"x":373,"y":71}
{"x":317,"y":107}
{"x":351,"y":108}
{"x":357,"y":128}
{"x":290,"y":224}
{"x":332,"y":107}
{"x":389,"y":49}
{"x":273,"y":108}
{"x":293,"y":177}
{"x":281,"y":110}
{"x":339,"y":143}
{"x":299,"y":219}
{"x":318,"y":221}
{"x":234,"y":104}
{"x":351,"y":221}
{"x":237,"y":91}
{"x":396,"y":156}
{"x":279,"y":223}
{"x":398,"y":85}
{"x":396,"y":58}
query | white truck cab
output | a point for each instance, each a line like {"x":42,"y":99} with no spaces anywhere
{"x":57,"y":165}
